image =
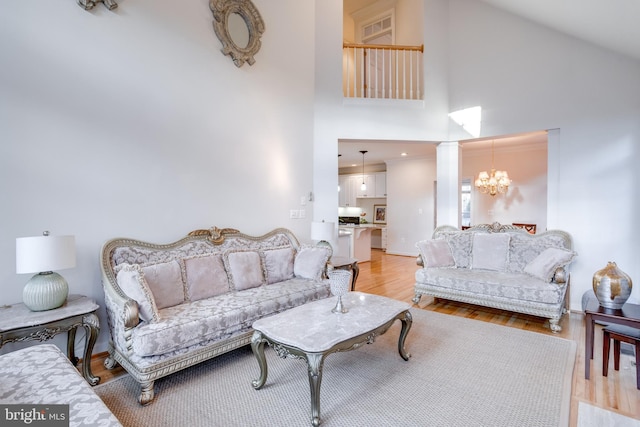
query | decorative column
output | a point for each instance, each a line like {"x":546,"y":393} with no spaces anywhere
{"x":448,"y":183}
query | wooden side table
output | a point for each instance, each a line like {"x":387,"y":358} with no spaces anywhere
{"x":629,"y":315}
{"x":18,"y":323}
{"x":344,"y":263}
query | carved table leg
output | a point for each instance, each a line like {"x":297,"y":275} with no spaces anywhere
{"x":257,"y":346}
{"x":356,"y":271}
{"x":91,"y":326}
{"x":314,"y":362}
{"x":71,"y":351}
{"x":407,"y":321}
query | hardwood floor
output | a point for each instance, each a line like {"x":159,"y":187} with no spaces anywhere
{"x":393,"y":276}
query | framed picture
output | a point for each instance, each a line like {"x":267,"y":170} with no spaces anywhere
{"x":379,"y":214}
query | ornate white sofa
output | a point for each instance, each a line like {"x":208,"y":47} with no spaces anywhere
{"x":42,"y":375}
{"x":174,"y":305}
{"x":499,"y":266}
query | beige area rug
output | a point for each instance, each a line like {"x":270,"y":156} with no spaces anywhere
{"x":462,"y":373}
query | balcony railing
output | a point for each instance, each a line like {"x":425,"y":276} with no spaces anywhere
{"x":382,"y":71}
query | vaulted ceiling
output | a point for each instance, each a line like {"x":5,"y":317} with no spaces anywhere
{"x":612,"y":24}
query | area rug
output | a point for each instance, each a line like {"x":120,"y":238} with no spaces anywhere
{"x":462,"y":372}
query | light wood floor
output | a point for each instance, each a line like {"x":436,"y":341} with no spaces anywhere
{"x":393,"y":276}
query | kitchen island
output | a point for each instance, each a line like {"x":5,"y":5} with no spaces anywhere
{"x":359,"y":241}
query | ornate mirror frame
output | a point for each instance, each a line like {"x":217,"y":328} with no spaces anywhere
{"x":221,"y":10}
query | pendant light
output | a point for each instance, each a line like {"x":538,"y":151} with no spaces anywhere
{"x":363,"y":186}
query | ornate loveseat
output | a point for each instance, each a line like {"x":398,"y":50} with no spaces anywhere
{"x":499,"y":266}
{"x":174,"y":305}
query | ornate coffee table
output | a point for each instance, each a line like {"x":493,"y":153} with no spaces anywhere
{"x":312,"y":332}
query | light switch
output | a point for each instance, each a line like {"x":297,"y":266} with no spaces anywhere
{"x":293,"y":214}
{"x":302,"y":214}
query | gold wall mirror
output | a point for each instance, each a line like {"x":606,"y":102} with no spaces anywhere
{"x":239,"y":26}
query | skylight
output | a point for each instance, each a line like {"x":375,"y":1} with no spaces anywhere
{"x":470,"y":119}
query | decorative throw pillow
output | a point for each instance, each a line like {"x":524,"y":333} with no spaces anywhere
{"x":166,"y":284}
{"x":278,"y":264}
{"x":436,"y":253}
{"x":311,"y":261}
{"x":132,"y":283}
{"x":544,"y":265}
{"x":205,"y":277}
{"x":244,"y":269}
{"x":490,"y":251}
{"x":460,"y":244}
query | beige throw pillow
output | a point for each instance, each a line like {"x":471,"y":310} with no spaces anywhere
{"x":311,"y":262}
{"x":132,"y":283}
{"x":547,"y":262}
{"x":205,"y":277}
{"x":165,"y":281}
{"x":436,"y":254}
{"x":278,"y":264}
{"x":244,"y":269}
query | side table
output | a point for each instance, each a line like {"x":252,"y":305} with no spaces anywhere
{"x":629,"y":315}
{"x":18,"y":323}
{"x":344,"y":263}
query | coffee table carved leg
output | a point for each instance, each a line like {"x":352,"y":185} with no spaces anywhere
{"x":314,"y":363}
{"x":257,"y":346}
{"x":407,"y":321}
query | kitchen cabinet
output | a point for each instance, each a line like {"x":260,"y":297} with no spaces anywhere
{"x":348,"y":190}
{"x":381,"y":184}
{"x":350,"y":187}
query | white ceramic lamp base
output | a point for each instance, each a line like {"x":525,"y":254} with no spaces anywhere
{"x":45,"y":291}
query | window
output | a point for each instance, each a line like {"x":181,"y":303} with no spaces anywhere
{"x":465,"y":195}
{"x":381,"y":28}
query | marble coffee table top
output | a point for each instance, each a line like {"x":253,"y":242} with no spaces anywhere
{"x":314,"y":328}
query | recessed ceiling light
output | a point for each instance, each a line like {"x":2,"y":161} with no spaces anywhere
{"x":354,"y":164}
{"x":403,"y":154}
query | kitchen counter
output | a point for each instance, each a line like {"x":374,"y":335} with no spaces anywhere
{"x":359,"y":240}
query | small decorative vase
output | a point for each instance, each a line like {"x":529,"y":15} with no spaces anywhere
{"x":339,"y":280}
{"x":612,"y":286}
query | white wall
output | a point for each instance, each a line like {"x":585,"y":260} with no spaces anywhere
{"x":527,"y":77}
{"x":132,"y":123}
{"x":526,"y":200}
{"x":410,"y":204}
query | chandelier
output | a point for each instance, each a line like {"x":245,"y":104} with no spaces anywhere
{"x":494,"y":182}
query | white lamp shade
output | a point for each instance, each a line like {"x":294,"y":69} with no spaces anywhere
{"x":322,"y":230}
{"x":45,"y":253}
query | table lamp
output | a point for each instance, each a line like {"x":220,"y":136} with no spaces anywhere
{"x":43,"y":254}
{"x":322,"y":231}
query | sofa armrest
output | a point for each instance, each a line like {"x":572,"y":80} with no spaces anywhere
{"x":122,"y":307}
{"x":560,"y":276}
